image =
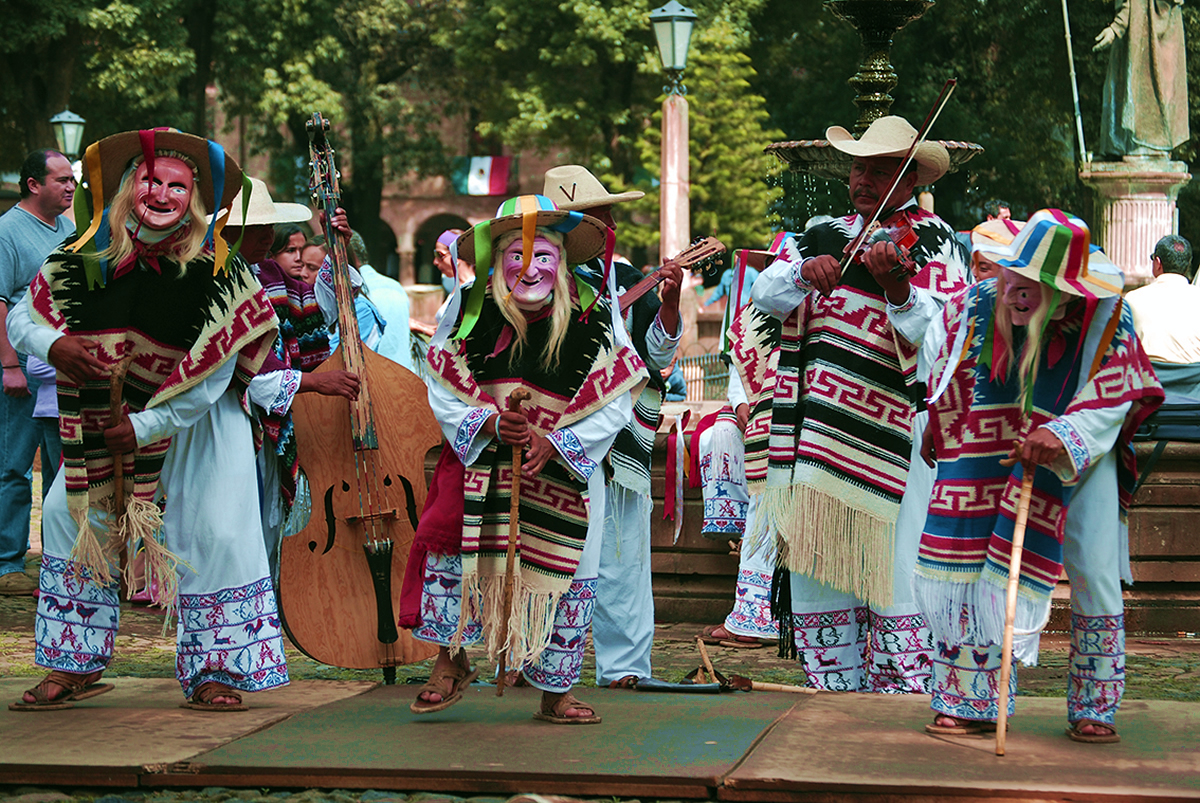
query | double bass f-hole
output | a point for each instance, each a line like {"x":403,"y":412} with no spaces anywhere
{"x":331,"y":518}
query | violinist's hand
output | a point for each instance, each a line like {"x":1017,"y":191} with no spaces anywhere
{"x":881,"y":260}
{"x":75,"y":357}
{"x":1042,"y":447}
{"x":537,"y":456}
{"x":331,"y":383}
{"x":823,"y":272}
{"x":121,"y":438}
{"x":512,"y":428}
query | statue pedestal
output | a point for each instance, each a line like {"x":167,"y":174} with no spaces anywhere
{"x":1135,"y":208}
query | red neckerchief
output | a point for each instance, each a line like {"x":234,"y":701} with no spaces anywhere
{"x":148,"y":253}
{"x":506,"y":334}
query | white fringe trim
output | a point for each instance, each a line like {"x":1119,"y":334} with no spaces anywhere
{"x":826,"y":535}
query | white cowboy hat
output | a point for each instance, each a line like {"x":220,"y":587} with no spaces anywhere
{"x":892,"y":136}
{"x":263,"y":211}
{"x":573,"y":187}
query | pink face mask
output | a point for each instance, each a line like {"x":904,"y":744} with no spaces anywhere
{"x":536,"y":288}
{"x":161,"y":202}
{"x":1022,"y":296}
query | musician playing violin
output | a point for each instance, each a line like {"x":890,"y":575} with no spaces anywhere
{"x":829,"y":443}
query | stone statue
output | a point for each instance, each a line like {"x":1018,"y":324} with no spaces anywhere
{"x":1145,"y":108}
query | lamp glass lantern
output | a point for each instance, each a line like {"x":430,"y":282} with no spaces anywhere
{"x":68,"y":130}
{"x":673,"y":30}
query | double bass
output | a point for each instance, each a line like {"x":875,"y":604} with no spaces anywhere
{"x":340,"y":577}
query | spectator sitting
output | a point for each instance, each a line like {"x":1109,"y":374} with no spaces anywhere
{"x":1164,"y":311}
{"x":676,"y":384}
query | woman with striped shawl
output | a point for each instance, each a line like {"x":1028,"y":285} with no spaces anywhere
{"x":1041,"y":364}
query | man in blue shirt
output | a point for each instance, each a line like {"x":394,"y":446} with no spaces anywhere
{"x":28,"y":233}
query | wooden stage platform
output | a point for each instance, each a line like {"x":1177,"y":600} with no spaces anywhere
{"x":737,"y":747}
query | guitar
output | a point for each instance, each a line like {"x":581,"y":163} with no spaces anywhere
{"x":703,"y":254}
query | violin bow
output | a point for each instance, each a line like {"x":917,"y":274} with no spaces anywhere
{"x":938,"y":104}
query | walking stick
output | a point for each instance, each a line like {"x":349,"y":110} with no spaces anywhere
{"x":1010,"y":605}
{"x":514,"y":406}
{"x":116,"y":386}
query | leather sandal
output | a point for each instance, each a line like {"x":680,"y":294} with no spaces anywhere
{"x":1076,"y":734}
{"x":202,"y":698}
{"x":557,"y":713}
{"x":627,"y":682}
{"x":74,"y":685}
{"x":961,"y":727}
{"x":450,"y":682}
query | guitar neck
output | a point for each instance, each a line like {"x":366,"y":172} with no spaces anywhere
{"x":641,"y":288}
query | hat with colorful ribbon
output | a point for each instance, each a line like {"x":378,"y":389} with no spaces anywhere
{"x":995,"y":233}
{"x":218,"y":180}
{"x":583,"y":236}
{"x":1054,"y":248}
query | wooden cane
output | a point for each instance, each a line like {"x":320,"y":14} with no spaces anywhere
{"x":116,"y":387}
{"x":1010,"y":605}
{"x":514,"y":406}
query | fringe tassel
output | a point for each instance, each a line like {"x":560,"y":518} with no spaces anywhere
{"x":88,"y":557}
{"x":781,"y":610}
{"x":139,"y":528}
{"x":844,"y":547}
{"x":530,"y":623}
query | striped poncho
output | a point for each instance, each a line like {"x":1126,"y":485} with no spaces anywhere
{"x":179,"y":325}
{"x":553,"y":514}
{"x":1091,"y":360}
{"x":302,"y":345}
{"x":833,"y":391}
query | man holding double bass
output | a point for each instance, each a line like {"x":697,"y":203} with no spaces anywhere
{"x":829,"y":444}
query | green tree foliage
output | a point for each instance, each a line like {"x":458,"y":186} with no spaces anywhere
{"x":728,"y":124}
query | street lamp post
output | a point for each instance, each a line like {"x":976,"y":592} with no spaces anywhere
{"x":68,"y":130}
{"x":673,"y":31}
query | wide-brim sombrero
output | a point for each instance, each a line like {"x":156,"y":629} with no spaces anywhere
{"x":573,"y":187}
{"x":1054,"y":248}
{"x":217,"y":173}
{"x":263,"y":210}
{"x":891,"y":137}
{"x":583,"y":236}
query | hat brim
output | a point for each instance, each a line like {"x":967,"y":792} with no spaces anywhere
{"x":932,"y":158}
{"x":118,"y":150}
{"x":284,"y":213}
{"x":581,"y":243}
{"x":608,"y":199}
{"x":1103,"y":278}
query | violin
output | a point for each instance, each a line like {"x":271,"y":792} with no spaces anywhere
{"x":340,"y":577}
{"x":896,"y":230}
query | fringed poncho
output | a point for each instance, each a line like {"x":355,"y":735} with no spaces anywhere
{"x":1091,"y":361}
{"x":179,"y":325}
{"x":594,"y":371}
{"x":832,"y":394}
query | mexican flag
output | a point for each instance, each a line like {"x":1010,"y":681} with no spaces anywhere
{"x":482,"y":175}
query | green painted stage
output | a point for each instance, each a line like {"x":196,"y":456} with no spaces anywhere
{"x":740,"y":746}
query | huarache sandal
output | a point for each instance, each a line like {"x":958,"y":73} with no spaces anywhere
{"x":448,"y":681}
{"x":75,"y":687}
{"x":741,"y":642}
{"x":557,"y":712}
{"x":714,"y":634}
{"x":203,"y":699}
{"x":960,"y":726}
{"x":627,"y":682}
{"x":1076,"y":734}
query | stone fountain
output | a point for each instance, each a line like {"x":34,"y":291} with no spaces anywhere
{"x":877,"y":22}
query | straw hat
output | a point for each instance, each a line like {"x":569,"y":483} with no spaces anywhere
{"x":992,"y":233}
{"x":583,"y":236}
{"x":574,"y":187}
{"x":892,"y":136}
{"x":216,"y":171}
{"x":263,"y":210}
{"x":1054,"y":248}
